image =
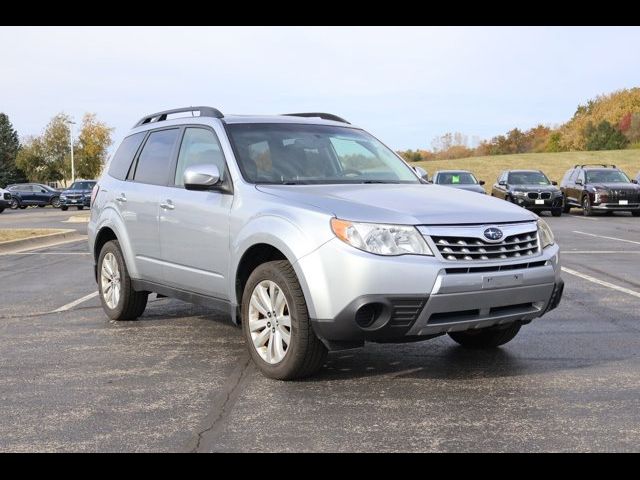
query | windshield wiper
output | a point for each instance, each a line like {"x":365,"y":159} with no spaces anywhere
{"x":379,"y":181}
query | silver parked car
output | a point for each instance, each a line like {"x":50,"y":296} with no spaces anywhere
{"x":461,"y":179}
{"x":313,"y":235}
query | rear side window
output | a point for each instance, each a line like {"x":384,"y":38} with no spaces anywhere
{"x":124,"y":156}
{"x":155,"y":159}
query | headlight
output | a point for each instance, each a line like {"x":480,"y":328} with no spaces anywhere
{"x":545,"y":233}
{"x":63,"y":197}
{"x":381,"y":239}
{"x":601,"y":194}
{"x":519,"y":193}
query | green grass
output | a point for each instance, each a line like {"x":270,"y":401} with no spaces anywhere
{"x":553,"y":164}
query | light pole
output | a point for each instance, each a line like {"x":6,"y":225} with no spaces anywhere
{"x":73,"y":167}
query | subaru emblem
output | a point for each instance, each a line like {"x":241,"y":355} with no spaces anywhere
{"x":492,"y":233}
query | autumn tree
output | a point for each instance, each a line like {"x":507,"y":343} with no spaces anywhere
{"x":91,"y":147}
{"x":32,"y":160}
{"x":9,"y":147}
{"x":57,"y":148}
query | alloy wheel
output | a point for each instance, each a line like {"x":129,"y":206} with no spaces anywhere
{"x":110,"y":280}
{"x":270,"y":322}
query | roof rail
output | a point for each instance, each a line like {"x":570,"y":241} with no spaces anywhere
{"x":162,"y":116}
{"x":324,"y":116}
{"x":595,"y":165}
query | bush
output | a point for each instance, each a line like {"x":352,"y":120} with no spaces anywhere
{"x":604,"y":136}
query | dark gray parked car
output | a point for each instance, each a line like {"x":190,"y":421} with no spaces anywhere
{"x":462,"y":179}
{"x":77,"y":195}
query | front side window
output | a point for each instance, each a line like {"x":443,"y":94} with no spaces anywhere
{"x":528,"y":178}
{"x":456,"y":178}
{"x":606,"y":176}
{"x":155,"y":159}
{"x":200,"y":146}
{"x":314,"y":154}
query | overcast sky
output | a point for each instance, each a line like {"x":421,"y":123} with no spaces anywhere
{"x":405,"y":85}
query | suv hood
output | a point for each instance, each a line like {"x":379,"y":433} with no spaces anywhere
{"x":76,"y":192}
{"x":419,"y":204}
{"x":630,"y":187}
{"x":535,"y":188}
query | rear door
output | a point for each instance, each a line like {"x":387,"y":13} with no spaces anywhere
{"x":139,"y":200}
{"x":194,"y":225}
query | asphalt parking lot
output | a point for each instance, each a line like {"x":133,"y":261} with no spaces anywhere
{"x":180,"y":380}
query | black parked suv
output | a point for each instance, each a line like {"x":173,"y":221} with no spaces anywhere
{"x":530,"y":189}
{"x":77,"y":195}
{"x":24,"y":195}
{"x":600,"y":188}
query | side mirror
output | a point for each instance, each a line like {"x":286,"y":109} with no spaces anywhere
{"x":503,"y":183}
{"x":481,"y":182}
{"x":553,"y":182}
{"x":578,"y":182}
{"x":634,"y":181}
{"x":201,"y":177}
{"x":422,"y":173}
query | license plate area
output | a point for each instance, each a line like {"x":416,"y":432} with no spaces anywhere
{"x":623,"y":202}
{"x":501,"y":281}
{"x":539,"y":202}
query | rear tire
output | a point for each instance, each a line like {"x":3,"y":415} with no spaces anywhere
{"x":80,"y":208}
{"x":41,"y":206}
{"x":274,"y":284}
{"x":119,"y":300}
{"x":22,"y":207}
{"x":491,"y":337}
{"x":55,"y":202}
{"x":64,"y":208}
{"x":566,"y":208}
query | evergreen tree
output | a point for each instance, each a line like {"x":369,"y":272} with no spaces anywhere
{"x":9,"y":146}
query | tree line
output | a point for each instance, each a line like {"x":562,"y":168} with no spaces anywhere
{"x":608,"y":122}
{"x":47,"y":157}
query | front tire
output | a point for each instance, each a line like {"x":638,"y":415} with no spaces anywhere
{"x":14,"y":204}
{"x":485,"y":338}
{"x":64,"y":208}
{"x":586,"y":206}
{"x":119,"y":300}
{"x":276,"y":326}
{"x":556,"y":212}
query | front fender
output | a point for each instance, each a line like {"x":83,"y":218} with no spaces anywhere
{"x":279,"y":232}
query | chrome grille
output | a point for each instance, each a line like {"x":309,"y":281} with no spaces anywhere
{"x":617,"y":195}
{"x":532,"y":195}
{"x":543,"y":195}
{"x":472,"y":249}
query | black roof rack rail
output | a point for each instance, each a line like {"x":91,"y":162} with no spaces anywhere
{"x":595,"y":165}
{"x":324,"y":116}
{"x":162,"y":116}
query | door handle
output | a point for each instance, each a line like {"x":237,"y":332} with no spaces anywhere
{"x":121,"y":198}
{"x":168,"y":205}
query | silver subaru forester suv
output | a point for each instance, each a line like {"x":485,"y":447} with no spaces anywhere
{"x":313,"y":235}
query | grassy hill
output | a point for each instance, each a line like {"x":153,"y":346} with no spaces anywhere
{"x":553,"y":164}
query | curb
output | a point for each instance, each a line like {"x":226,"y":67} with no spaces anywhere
{"x":40,"y":241}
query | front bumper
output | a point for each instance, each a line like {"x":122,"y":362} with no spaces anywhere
{"x":5,"y":203}
{"x":530,"y":204}
{"x":75,"y":202}
{"x":355,"y":296}
{"x":616,"y":207}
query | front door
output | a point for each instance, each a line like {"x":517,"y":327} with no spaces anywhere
{"x":194,"y":225}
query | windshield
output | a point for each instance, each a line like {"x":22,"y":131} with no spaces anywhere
{"x":528,"y":178}
{"x":294,"y":154}
{"x":456,"y":178}
{"x":82,"y":186}
{"x":606,"y":176}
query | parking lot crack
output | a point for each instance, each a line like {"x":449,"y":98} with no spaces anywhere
{"x":223,"y":403}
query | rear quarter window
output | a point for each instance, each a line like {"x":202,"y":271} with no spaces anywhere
{"x":123,"y":157}
{"x":154,"y":160}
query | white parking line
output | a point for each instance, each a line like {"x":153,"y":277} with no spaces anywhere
{"x":608,"y":238}
{"x":564,"y":252}
{"x":70,"y":305}
{"x":612,"y":286}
